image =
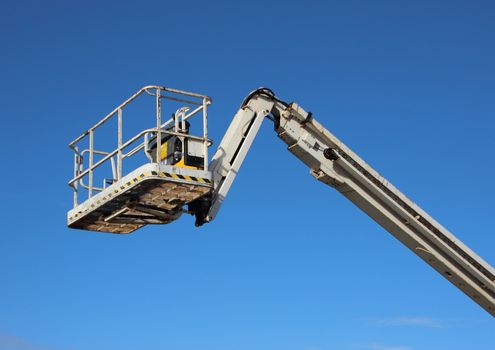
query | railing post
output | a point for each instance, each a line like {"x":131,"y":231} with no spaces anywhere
{"x":76,"y":172}
{"x":158,"y":126}
{"x":119,"y":142}
{"x":205,"y":134}
{"x":91,"y":153}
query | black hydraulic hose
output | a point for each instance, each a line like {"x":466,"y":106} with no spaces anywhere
{"x":263,"y":91}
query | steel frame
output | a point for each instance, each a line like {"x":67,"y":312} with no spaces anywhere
{"x":159,"y":93}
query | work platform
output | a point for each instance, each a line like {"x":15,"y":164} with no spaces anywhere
{"x":151,"y":194}
{"x":168,"y":165}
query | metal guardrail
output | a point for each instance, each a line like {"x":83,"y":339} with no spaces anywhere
{"x":159,"y":93}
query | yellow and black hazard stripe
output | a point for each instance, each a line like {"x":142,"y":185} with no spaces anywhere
{"x":183,"y":177}
{"x":136,"y":179}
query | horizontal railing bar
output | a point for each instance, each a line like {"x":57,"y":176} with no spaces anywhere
{"x":108,"y":116}
{"x":167,"y":122}
{"x":111,"y":154}
{"x":187,"y":116}
{"x":187,"y":136}
{"x":133,"y":151}
{"x":130,"y":99}
{"x":175,"y":98}
{"x":141,"y":146}
{"x":180,"y":92}
{"x":87,"y":187}
{"x":181,"y":100}
{"x":94,"y":151}
{"x":125,"y":145}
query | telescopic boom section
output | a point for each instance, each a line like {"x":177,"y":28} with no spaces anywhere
{"x":333,"y":163}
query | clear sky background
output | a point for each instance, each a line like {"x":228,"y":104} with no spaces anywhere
{"x":289,"y":264}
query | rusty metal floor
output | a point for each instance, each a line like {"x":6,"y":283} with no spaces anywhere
{"x":152,"y":194}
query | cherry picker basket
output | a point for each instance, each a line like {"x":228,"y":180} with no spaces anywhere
{"x":169,"y":167}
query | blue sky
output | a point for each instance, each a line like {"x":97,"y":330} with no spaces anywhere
{"x":288,"y":264}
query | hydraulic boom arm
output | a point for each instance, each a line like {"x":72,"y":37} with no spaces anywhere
{"x":334,"y":164}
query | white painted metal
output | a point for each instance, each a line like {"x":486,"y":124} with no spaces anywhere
{"x":333,"y":163}
{"x":195,"y":148}
{"x":235,"y":145}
